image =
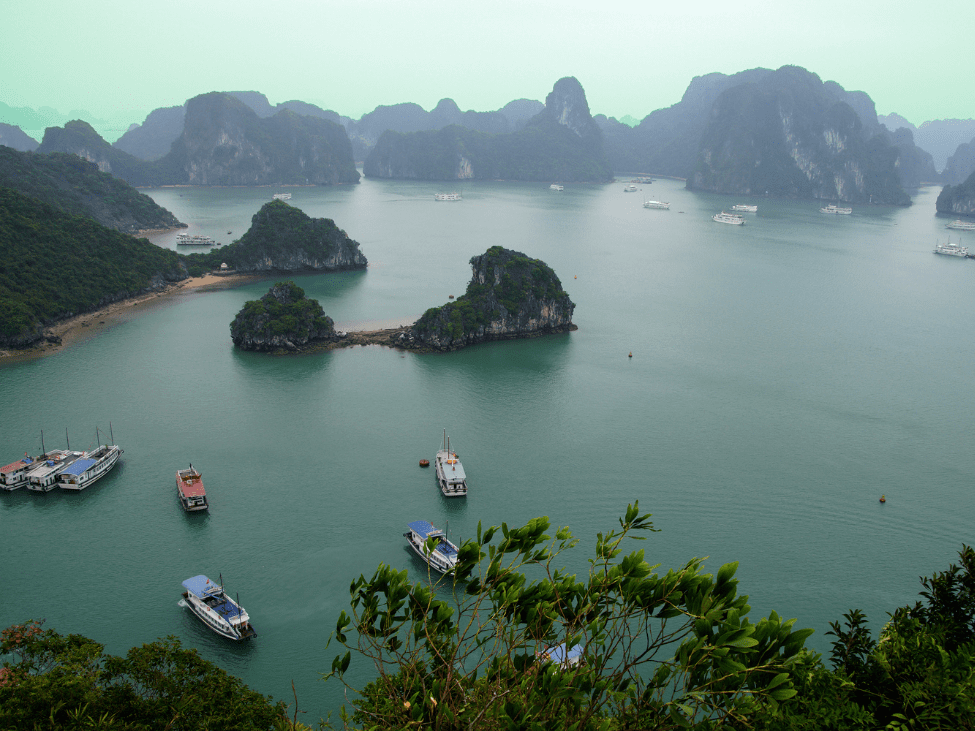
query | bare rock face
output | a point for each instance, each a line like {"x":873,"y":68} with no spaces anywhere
{"x":958,"y":199}
{"x":509,"y":296}
{"x":282,"y":320}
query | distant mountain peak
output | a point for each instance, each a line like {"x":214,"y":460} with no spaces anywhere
{"x":567,"y":105}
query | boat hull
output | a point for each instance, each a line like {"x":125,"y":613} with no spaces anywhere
{"x":215,"y":623}
{"x":101,"y":468}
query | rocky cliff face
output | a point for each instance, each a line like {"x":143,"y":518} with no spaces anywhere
{"x":282,"y":320}
{"x":789,"y":136}
{"x":958,"y":199}
{"x":509,"y":296}
{"x":80,"y":138}
{"x":282,"y":238}
{"x":224,"y":142}
{"x":15,"y":138}
{"x":155,"y":136}
{"x":960,"y":165}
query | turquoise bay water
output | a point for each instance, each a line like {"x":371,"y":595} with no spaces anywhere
{"x":784,"y":375}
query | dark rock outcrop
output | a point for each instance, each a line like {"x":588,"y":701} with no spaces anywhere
{"x":282,"y":320}
{"x":80,"y":138}
{"x":960,"y":165}
{"x":284,"y":239}
{"x":15,"y":138}
{"x":914,"y":165}
{"x":790,"y":135}
{"x":509,"y":296}
{"x":958,"y":199}
{"x":155,"y":136}
{"x":562,"y":142}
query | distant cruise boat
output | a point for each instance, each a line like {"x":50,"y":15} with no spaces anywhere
{"x":951,"y":249}
{"x":194,"y":240}
{"x":733,"y":218}
{"x":745,"y":208}
{"x":281,"y":196}
{"x":629,"y":188}
{"x":960,"y":225}
{"x":446,"y":196}
{"x":556,"y":186}
{"x":656,"y":204}
{"x":835,"y":209}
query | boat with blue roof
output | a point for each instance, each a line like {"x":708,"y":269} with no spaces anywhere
{"x":442,"y":556}
{"x":450,"y":472}
{"x":208,"y":601}
{"x":44,"y":477}
{"x":89,"y":468}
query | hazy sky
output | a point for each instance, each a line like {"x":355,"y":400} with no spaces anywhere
{"x":119,"y":59}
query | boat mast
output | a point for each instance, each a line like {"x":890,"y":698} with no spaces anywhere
{"x":43,"y":451}
{"x":110,"y":432}
{"x":66,"y":438}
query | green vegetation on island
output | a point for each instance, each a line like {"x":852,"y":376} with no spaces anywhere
{"x":510,"y":295}
{"x":73,"y":185}
{"x":283,"y":319}
{"x":284,"y":238}
{"x":57,"y":265}
{"x":666,"y":651}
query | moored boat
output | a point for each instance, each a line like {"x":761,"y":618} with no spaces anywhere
{"x":744,"y":208}
{"x":836,"y":209}
{"x":562,"y":657}
{"x":950,"y":249}
{"x":209,"y":602}
{"x":450,"y":472}
{"x":281,"y":197}
{"x":656,"y":204}
{"x":442,"y":556}
{"x":15,"y":475}
{"x":724,"y":217}
{"x":556,"y":186}
{"x":960,"y":225}
{"x":446,"y":196}
{"x":630,"y":188}
{"x":89,"y":467}
{"x":194,"y":240}
{"x":190,"y":490}
{"x":44,"y":477}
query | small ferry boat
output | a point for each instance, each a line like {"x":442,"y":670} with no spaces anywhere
{"x":281,"y":197}
{"x":950,"y":249}
{"x":15,"y":475}
{"x":216,"y":609}
{"x":446,"y":196}
{"x":556,"y":186}
{"x":644,"y":181}
{"x":193,"y":240}
{"x":450,"y":472}
{"x":630,"y":188}
{"x":733,"y":218}
{"x":960,"y":225}
{"x":89,"y":467}
{"x":443,"y":557}
{"x":656,"y":204}
{"x":189,"y":489}
{"x":559,"y":655}
{"x":44,"y":477}
{"x":836,"y":209}
{"x":744,"y":208}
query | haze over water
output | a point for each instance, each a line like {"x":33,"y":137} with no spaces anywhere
{"x":784,"y":375}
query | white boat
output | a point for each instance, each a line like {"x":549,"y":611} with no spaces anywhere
{"x":281,"y":197}
{"x":960,"y":225}
{"x":442,"y":556}
{"x":44,"y":477}
{"x":450,"y":472}
{"x":565,"y":659}
{"x":835,"y":209}
{"x":733,"y":218}
{"x":446,"y":196}
{"x":950,"y":249}
{"x":194,"y":240}
{"x":656,"y":204}
{"x":15,"y":475}
{"x":89,"y":467}
{"x":216,"y":609}
{"x":556,"y":186}
{"x":630,"y":188}
{"x":189,"y":488}
{"x":644,"y":181}
{"x":745,"y":208}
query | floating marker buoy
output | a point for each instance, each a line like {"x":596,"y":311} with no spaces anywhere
{"x":575,"y":277}
{"x":450,"y":296}
{"x":424,"y":463}
{"x":631,"y":354}
{"x":883,"y":498}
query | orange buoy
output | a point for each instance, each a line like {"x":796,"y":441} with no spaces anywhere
{"x":424,"y":463}
{"x":883,"y":498}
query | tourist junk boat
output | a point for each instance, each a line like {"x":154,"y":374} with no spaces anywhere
{"x":189,"y":489}
{"x":656,"y":204}
{"x":15,"y":475}
{"x":446,"y":196}
{"x":733,"y":218}
{"x":442,"y":557}
{"x":629,"y":188}
{"x":835,"y":209}
{"x":450,"y":472}
{"x":950,"y":249}
{"x":960,"y":225}
{"x":44,"y":477}
{"x":216,"y":609}
{"x":90,"y":466}
{"x":556,"y":186}
{"x":194,"y":240}
{"x":744,"y":208}
{"x":281,"y":197}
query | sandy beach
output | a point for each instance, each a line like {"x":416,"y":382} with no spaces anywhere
{"x":90,"y":323}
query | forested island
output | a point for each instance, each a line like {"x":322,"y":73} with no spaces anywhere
{"x":958,"y":199}
{"x":284,"y":319}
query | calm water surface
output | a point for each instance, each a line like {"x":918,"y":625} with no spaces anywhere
{"x":784,"y":375}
